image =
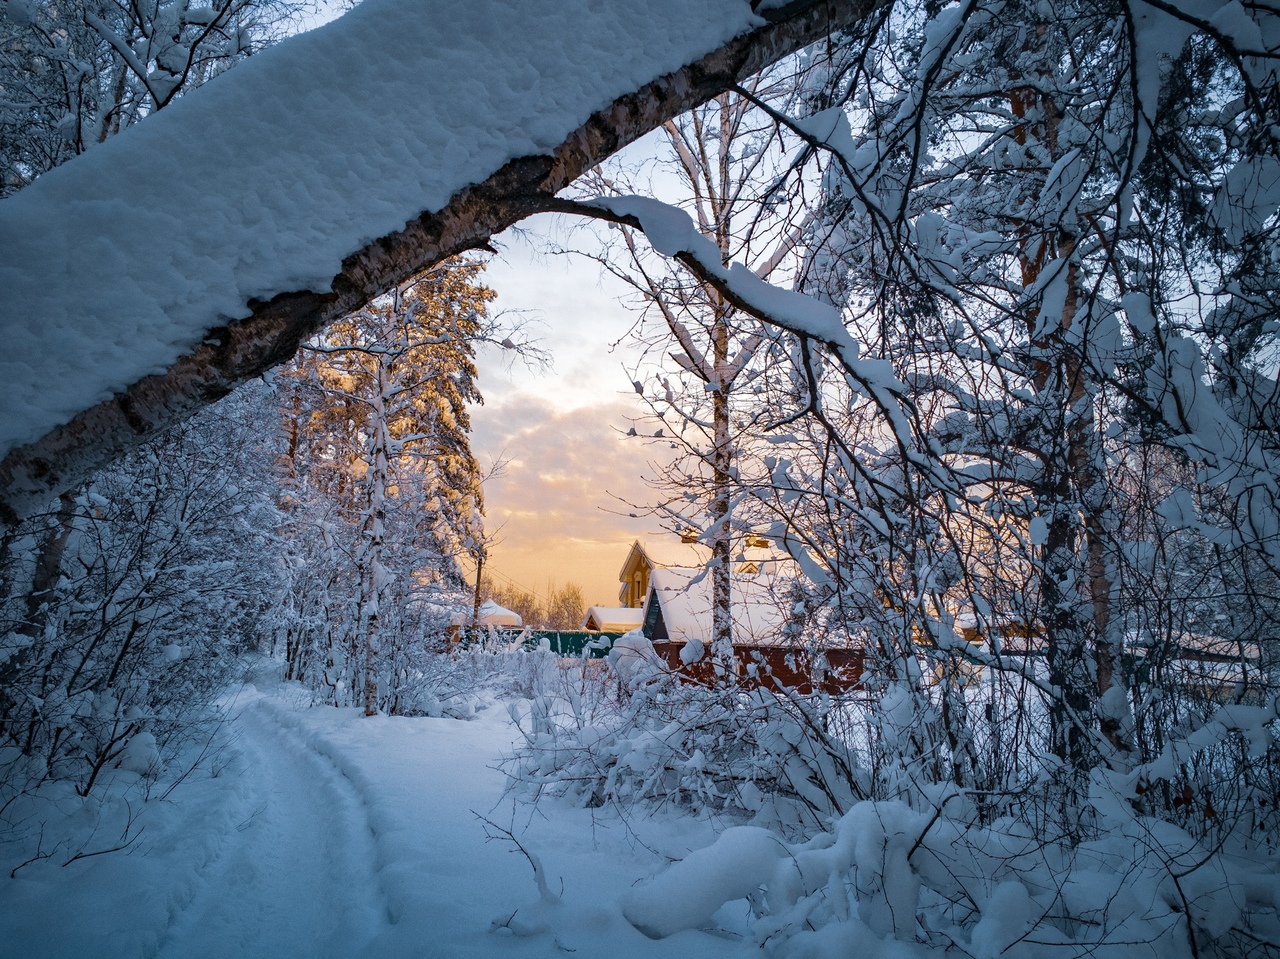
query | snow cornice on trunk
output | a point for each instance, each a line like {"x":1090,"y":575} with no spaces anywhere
{"x":207,"y":360}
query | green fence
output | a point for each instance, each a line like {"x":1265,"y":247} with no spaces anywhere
{"x":563,"y":642}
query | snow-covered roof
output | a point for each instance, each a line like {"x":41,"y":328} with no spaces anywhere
{"x":491,"y":614}
{"x":263,"y":180}
{"x":685,"y":596}
{"x":674,"y":553}
{"x":612,"y":619}
{"x":669,"y":551}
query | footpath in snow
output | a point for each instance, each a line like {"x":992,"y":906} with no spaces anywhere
{"x":330,"y":834}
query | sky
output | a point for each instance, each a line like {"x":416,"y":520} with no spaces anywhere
{"x":556,"y":507}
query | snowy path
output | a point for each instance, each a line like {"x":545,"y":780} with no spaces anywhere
{"x":300,"y":879}
{"x":326,"y":834}
{"x":425,"y":783}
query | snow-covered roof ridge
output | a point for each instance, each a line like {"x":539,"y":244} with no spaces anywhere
{"x":492,"y":614}
{"x":685,"y":596}
{"x":672,"y":551}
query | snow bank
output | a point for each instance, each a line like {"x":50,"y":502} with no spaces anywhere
{"x":690,"y":892}
{"x":330,"y":834}
{"x":263,"y":180}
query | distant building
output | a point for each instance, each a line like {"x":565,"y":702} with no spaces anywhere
{"x":612,"y":619}
{"x":669,"y":584}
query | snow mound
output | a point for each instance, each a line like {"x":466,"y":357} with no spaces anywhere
{"x":691,"y":891}
{"x":634,"y":659}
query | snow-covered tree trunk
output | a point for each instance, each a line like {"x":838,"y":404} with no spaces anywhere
{"x":371,"y":569}
{"x":719,"y":513}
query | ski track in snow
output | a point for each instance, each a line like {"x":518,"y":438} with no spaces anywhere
{"x":300,"y":880}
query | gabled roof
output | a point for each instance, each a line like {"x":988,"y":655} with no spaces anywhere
{"x":684,"y":597}
{"x":661,"y":553}
{"x":670,"y":553}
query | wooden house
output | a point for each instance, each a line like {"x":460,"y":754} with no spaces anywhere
{"x":669,"y":582}
{"x":670,"y":585}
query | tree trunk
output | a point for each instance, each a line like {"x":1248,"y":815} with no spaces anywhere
{"x":372,"y":569}
{"x":721,"y":542}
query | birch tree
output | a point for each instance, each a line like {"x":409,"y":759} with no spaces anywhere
{"x":702,"y":357}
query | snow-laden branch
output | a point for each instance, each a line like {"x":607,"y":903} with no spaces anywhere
{"x":156,"y":273}
{"x":673,"y":233}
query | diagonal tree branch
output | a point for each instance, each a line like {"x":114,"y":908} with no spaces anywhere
{"x":231,"y":355}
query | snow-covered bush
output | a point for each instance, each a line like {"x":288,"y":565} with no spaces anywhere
{"x":856,"y":836}
{"x":125,"y":609}
{"x":936,"y":875}
{"x":885,"y":871}
{"x":637,"y":734}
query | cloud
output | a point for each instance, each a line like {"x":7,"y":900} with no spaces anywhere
{"x":561,"y":500}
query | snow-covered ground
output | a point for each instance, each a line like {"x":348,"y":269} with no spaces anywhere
{"x":318,"y":832}
{"x":328,"y":834}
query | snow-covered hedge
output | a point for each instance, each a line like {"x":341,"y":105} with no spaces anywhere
{"x":853,"y":840}
{"x":632,"y":733}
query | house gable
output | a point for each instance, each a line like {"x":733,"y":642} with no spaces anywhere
{"x":655,"y":627}
{"x":634,"y":577}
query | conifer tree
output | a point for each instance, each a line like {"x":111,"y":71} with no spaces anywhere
{"x":380,"y":460}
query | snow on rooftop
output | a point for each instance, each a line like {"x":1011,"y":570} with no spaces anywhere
{"x":685,"y":595}
{"x":263,"y":180}
{"x":674,"y":552}
{"x":491,"y":614}
{"x":671,"y":551}
{"x":612,"y":618}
